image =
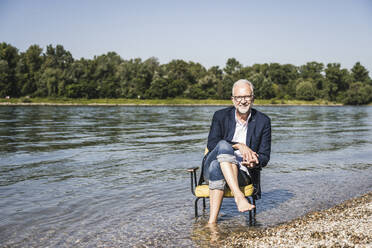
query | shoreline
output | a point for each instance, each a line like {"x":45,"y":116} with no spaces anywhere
{"x":160,"y":104}
{"x":348,"y":224}
{"x":39,"y":101}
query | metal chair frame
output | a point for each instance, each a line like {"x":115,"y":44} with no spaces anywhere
{"x":195,"y":183}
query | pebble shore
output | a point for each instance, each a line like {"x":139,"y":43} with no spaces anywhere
{"x":346,"y":225}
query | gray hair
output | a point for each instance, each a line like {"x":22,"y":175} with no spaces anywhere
{"x":242,"y":81}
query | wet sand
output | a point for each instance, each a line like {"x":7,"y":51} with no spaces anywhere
{"x":346,"y":225}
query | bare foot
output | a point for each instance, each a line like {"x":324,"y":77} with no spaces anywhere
{"x":214,"y":232}
{"x":243,"y":204}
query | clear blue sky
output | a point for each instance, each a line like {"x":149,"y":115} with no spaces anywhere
{"x":202,"y":31}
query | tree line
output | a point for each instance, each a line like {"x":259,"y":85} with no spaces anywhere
{"x":55,"y":73}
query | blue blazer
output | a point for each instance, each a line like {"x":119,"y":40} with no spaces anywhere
{"x":258,"y":137}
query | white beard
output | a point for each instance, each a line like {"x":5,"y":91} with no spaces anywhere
{"x":243,"y":110}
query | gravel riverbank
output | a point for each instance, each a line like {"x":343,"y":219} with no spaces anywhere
{"x":346,"y":225}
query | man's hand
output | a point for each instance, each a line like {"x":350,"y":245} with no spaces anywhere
{"x":250,"y":158}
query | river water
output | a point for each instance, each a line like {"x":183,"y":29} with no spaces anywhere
{"x":115,"y":176}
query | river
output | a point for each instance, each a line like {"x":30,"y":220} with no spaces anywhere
{"x":115,"y":176}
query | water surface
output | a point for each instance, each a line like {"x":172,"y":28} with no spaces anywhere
{"x":115,"y":176}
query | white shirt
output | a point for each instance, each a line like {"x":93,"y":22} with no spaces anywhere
{"x":240,"y":136}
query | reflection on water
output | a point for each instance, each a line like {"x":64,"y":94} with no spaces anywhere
{"x":115,"y":176}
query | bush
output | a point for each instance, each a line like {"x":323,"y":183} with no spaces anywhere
{"x":25,"y":100}
{"x":305,"y":91}
{"x":358,"y":94}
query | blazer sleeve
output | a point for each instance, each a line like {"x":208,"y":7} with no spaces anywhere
{"x":215,"y":132}
{"x":265,"y":144}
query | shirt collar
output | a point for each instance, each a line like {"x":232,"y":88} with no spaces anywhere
{"x":239,"y":122}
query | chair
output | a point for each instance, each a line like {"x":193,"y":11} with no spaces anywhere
{"x":201,"y":191}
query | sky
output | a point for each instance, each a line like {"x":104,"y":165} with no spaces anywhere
{"x":204,"y":31}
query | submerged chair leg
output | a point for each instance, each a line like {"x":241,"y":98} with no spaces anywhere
{"x":196,"y":206}
{"x":254,"y":212}
{"x":254,"y":203}
{"x":250,"y":213}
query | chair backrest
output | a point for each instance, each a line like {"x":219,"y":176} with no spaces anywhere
{"x":206,"y":151}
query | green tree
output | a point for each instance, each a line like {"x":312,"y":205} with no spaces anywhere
{"x":54,"y":72}
{"x":227,"y":83}
{"x":179,"y":70}
{"x":197,"y":71}
{"x":8,"y":61}
{"x":358,"y":94}
{"x":106,"y":76}
{"x":57,"y":57}
{"x":282,"y":74}
{"x":232,"y":66}
{"x":263,"y":87}
{"x":208,"y":85}
{"x":233,"y":72}
{"x":81,"y":81}
{"x":216,"y":74}
{"x":136,"y":77}
{"x":305,"y":90}
{"x":337,"y":80}
{"x":311,"y":70}
{"x":262,"y":69}
{"x":28,"y":69}
{"x":176,"y":88}
{"x":51,"y":83}
{"x":185,"y":75}
{"x":360,"y":74}
{"x":158,"y":88}
{"x":205,"y":88}
{"x":4,"y":84}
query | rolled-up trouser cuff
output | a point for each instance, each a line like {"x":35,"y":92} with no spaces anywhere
{"x":218,"y":184}
{"x":226,"y":158}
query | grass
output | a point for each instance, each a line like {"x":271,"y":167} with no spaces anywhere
{"x":170,"y":101}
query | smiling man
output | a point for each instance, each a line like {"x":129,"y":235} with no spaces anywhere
{"x":239,"y":144}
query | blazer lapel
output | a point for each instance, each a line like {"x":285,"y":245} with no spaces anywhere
{"x":232,"y":124}
{"x":251,"y":127}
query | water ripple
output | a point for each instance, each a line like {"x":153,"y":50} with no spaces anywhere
{"x":115,"y":176}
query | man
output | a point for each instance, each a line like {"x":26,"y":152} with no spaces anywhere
{"x":239,"y":144}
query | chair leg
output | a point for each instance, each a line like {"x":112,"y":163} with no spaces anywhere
{"x":254,"y":203}
{"x":254,"y":211}
{"x":196,"y":206}
{"x":250,"y":212}
{"x":250,"y":218}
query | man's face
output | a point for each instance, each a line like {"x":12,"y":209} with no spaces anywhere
{"x":243,"y":98}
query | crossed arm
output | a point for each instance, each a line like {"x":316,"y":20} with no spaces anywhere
{"x":250,"y":158}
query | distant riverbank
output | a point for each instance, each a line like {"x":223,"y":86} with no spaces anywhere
{"x":151,"y":102}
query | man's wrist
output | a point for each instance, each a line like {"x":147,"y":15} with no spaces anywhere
{"x":237,"y":146}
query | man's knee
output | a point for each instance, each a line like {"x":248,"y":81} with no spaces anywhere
{"x":225,"y":152}
{"x":225,"y":147}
